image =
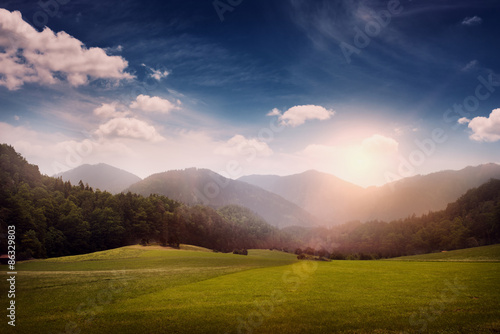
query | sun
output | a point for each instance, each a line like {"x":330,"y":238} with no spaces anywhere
{"x":360,"y":161}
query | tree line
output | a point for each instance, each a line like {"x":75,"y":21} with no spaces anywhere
{"x":55,"y":218}
{"x":473,"y":220}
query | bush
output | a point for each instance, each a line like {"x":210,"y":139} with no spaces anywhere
{"x":310,"y":251}
{"x":240,"y":252}
{"x":337,"y":256}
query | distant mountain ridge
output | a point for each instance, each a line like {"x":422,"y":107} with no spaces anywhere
{"x":303,"y":199}
{"x":101,"y":176}
{"x":336,"y":201}
{"x":202,"y":186}
{"x":318,"y":193}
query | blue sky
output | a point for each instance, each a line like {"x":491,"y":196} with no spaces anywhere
{"x":370,"y":91}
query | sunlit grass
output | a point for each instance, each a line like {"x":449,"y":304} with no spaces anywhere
{"x":478,"y":254}
{"x":132,"y":290}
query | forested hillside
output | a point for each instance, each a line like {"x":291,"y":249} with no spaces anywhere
{"x":202,"y":186}
{"x":55,"y":218}
{"x":336,"y":201}
{"x":473,"y":220}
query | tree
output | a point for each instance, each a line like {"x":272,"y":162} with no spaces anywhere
{"x":31,"y":246}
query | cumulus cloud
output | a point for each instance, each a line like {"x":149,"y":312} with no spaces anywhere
{"x":378,"y":144}
{"x":485,"y":129}
{"x":240,"y":146}
{"x":109,"y":110}
{"x":154,"y":104}
{"x":472,"y":21}
{"x":129,"y":128}
{"x":274,"y":112}
{"x":44,"y":57}
{"x":464,"y":120}
{"x":298,"y":115}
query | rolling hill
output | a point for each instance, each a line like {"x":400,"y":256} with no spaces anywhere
{"x":202,"y":186}
{"x":101,"y":176}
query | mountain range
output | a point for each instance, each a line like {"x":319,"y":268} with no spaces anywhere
{"x":336,"y":201}
{"x":101,"y":176}
{"x":202,"y":186}
{"x":305,"y":199}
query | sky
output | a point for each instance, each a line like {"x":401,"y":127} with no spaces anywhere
{"x":369,"y":91}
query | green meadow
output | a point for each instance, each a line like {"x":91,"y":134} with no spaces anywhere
{"x":153,"y":290}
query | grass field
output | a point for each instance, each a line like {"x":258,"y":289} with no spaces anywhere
{"x":478,"y":254}
{"x":152,"y":290}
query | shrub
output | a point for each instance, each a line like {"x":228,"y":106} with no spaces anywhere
{"x":240,"y":252}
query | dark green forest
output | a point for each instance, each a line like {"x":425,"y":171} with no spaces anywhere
{"x":54,"y":218}
{"x":473,"y":220}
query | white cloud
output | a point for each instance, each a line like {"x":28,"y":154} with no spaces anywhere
{"x":240,"y":146}
{"x":378,"y":144}
{"x":486,"y":129}
{"x":109,"y":110}
{"x":298,"y":115}
{"x":115,"y":49}
{"x":130,"y":144}
{"x":464,"y":120}
{"x":274,"y":112}
{"x":129,"y":128}
{"x":42,"y":57}
{"x":154,"y":104}
{"x":55,"y":152}
{"x":157,"y":74}
{"x":472,"y":21}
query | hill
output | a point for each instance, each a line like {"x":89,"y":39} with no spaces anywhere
{"x":336,"y":201}
{"x":477,"y":254}
{"x":326,"y":196}
{"x":472,"y":220}
{"x":101,"y":176}
{"x":423,"y":193}
{"x":54,"y":218}
{"x":202,"y":186}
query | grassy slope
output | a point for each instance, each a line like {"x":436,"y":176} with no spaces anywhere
{"x":478,"y":254}
{"x":135,"y":290}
